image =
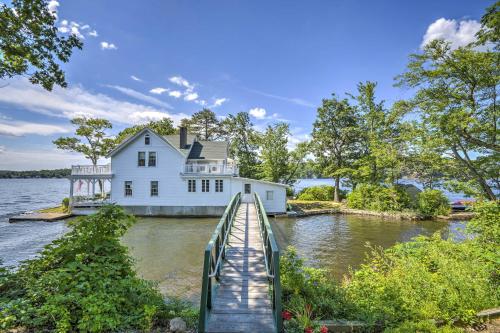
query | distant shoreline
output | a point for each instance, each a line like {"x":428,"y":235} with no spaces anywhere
{"x":33,"y":174}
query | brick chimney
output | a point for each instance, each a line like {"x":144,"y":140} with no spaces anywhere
{"x":182,"y":137}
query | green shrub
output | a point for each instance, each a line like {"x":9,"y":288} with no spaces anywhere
{"x":433,"y":203}
{"x":378,"y":198}
{"x":319,"y":193}
{"x":83,"y":281}
{"x":306,"y":286}
{"x":426,"y":279}
{"x":65,"y":204}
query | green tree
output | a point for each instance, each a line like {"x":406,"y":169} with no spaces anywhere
{"x":243,"y":140}
{"x":457,"y":100}
{"x":297,"y":162}
{"x":30,"y":45}
{"x":335,"y":138}
{"x":381,"y":146}
{"x":164,"y":126}
{"x":205,"y":124}
{"x":274,"y":153}
{"x":92,"y":130}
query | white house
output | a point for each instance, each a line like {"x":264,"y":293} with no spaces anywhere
{"x":174,"y":175}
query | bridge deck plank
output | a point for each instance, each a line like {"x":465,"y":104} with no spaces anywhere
{"x":242,"y":302}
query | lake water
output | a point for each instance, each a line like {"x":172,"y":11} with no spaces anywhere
{"x":169,"y":250}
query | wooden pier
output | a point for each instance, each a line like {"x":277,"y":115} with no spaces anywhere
{"x":241,"y":290}
{"x":37,"y":216}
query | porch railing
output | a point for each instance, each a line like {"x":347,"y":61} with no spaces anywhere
{"x":211,"y":168}
{"x":83,"y":170}
{"x":272,"y":261}
{"x":212,"y":262}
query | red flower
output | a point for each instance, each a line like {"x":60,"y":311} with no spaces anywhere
{"x":308,"y":330}
{"x":323,"y":329}
{"x":286,"y":315}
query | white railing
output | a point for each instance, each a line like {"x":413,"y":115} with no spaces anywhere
{"x":211,"y":168}
{"x":82,"y":170}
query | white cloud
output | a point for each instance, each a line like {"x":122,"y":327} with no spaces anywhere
{"x":77,"y":29}
{"x":20,"y":128}
{"x":259,"y":113}
{"x":108,"y":46}
{"x":140,"y":96}
{"x":135,"y":78}
{"x":22,"y":159}
{"x":457,"y":33}
{"x":219,"y":102}
{"x":191,"y":96}
{"x":2,"y":149}
{"x":175,"y":93}
{"x":76,"y":101}
{"x":201,"y":102}
{"x":180,"y":81}
{"x":52,"y":6}
{"x":158,"y":91}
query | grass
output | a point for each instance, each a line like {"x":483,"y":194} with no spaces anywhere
{"x":60,"y":209}
{"x":312,"y":206}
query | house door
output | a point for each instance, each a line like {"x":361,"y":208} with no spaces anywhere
{"x":247,"y":195}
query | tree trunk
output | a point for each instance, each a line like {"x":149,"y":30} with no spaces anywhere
{"x":336,"y":196}
{"x":481,"y":181}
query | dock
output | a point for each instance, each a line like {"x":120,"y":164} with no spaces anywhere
{"x":241,"y":291}
{"x":37,"y":216}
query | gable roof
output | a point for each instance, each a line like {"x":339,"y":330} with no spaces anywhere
{"x":132,"y":138}
{"x":209,"y":150}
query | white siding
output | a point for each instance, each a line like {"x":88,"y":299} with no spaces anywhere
{"x":277,"y":205}
{"x":172,"y":188}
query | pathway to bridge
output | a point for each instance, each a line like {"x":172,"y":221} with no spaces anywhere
{"x":242,"y":297}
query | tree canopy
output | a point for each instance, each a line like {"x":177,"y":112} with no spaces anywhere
{"x":164,"y":126}
{"x":92,"y":140}
{"x":30,"y":44}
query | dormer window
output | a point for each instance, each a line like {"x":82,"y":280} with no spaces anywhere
{"x":147,"y":139}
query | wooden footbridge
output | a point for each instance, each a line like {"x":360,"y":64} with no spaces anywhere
{"x":241,"y":289}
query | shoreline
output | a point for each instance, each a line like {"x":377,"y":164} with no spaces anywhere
{"x":311,"y":208}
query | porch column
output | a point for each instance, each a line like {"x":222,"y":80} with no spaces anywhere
{"x":93,"y":188}
{"x":70,"y":192}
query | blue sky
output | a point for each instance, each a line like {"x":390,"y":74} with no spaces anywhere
{"x":145,"y":60}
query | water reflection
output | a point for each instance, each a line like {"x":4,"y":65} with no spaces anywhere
{"x":336,"y":242}
{"x":170,"y":251}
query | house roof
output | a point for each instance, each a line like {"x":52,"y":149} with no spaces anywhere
{"x":175,"y":141}
{"x":131,"y":138}
{"x":209,"y":150}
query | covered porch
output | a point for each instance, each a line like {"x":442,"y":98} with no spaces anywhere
{"x":90,"y":187}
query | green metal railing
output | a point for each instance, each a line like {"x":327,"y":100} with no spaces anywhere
{"x":214,"y":255}
{"x":272,"y":260}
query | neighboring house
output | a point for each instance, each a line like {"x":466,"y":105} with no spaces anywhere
{"x":177,"y":175}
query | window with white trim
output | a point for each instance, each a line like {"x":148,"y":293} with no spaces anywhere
{"x":154,"y":188}
{"x":205,"y":185}
{"x":128,"y":188}
{"x":147,"y":140}
{"x":141,"y":158}
{"x":191,"y":185}
{"x":269,"y":195}
{"x":151,"y":159}
{"x":219,"y":185}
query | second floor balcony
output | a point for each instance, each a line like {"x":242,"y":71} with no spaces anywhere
{"x":212,"y":168}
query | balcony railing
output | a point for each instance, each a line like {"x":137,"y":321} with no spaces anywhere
{"x":217,"y":169}
{"x":90,"y":170}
